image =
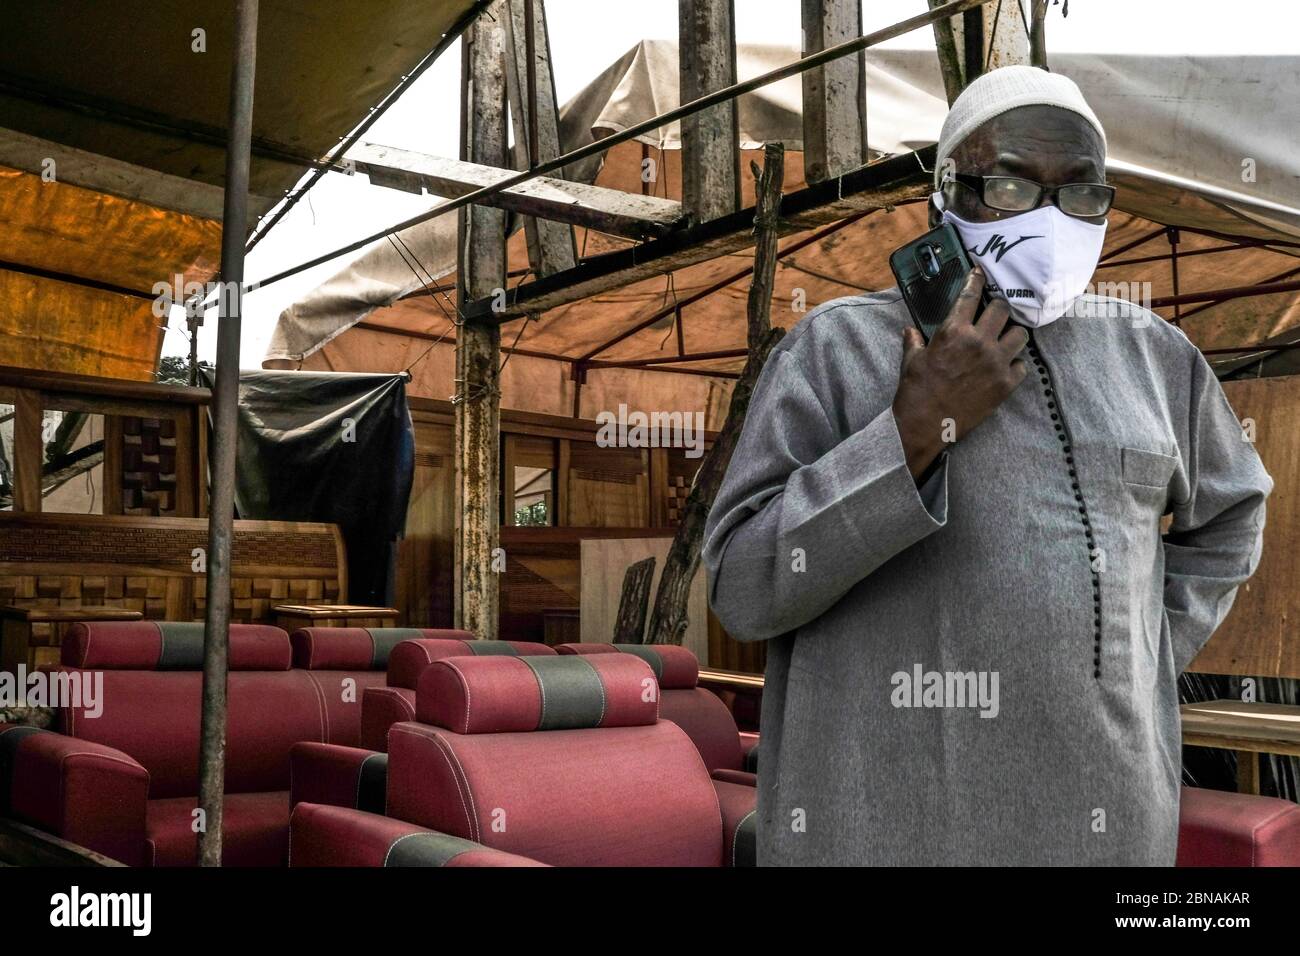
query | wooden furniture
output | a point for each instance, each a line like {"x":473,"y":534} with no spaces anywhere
{"x":293,"y":616}
{"x":1248,"y":728}
{"x":561,"y":625}
{"x":33,"y":635}
{"x":157,"y":566}
{"x":152,"y":457}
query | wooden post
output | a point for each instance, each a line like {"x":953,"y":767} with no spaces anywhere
{"x":481,"y":272}
{"x":29,"y":449}
{"x":947,"y":41}
{"x":834,"y":100}
{"x":225,"y":399}
{"x":668,"y":622}
{"x":534,"y":115}
{"x":706,"y":39}
{"x":1006,"y":35}
{"x":981,"y":39}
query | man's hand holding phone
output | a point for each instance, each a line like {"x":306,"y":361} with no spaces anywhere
{"x":966,"y":371}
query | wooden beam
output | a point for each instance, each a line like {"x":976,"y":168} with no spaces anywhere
{"x":29,"y":449}
{"x":631,"y":215}
{"x":880,"y":185}
{"x":710,"y":139}
{"x":534,"y":114}
{"x":481,"y":271}
{"x":834,"y":95}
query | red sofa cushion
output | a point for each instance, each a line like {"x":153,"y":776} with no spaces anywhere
{"x":409,"y":658}
{"x":154,"y":717}
{"x":675,"y":667}
{"x":491,"y":695}
{"x":356,"y":648}
{"x":381,"y":707}
{"x":84,"y":792}
{"x":342,"y":696}
{"x":335,"y":836}
{"x":616,"y":796}
{"x":708,"y":723}
{"x":254,"y":831}
{"x":1237,"y":829}
{"x":338,"y":776}
{"x":168,"y":646}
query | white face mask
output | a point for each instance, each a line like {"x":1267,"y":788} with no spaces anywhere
{"x":1039,"y":261}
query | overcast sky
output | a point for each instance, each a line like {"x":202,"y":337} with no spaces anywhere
{"x":586,"y":38}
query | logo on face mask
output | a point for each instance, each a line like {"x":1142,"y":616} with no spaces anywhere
{"x":999,"y":245}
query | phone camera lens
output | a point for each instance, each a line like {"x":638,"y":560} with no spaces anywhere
{"x":929,"y":261}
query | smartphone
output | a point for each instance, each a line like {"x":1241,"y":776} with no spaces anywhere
{"x":930,"y":272}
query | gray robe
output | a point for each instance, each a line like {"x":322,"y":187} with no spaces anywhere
{"x":821,"y":544}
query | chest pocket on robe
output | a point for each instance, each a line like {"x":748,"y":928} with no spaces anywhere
{"x":1147,"y":474}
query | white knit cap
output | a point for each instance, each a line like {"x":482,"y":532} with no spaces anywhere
{"x":1004,"y":89}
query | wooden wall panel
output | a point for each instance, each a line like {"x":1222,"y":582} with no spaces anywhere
{"x":604,"y":563}
{"x":1258,"y":638}
{"x":147,"y":564}
{"x":424,"y":556}
{"x":607,"y":487}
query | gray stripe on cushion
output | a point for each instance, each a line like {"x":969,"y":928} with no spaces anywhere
{"x":572,"y":693}
{"x":427,"y":849}
{"x":648,"y":654}
{"x":483,"y":648}
{"x":372,"y":783}
{"x":182,"y":645}
{"x":10,"y":740}
{"x":384,"y":639}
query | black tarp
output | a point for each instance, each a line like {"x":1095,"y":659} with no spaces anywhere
{"x":335,"y":447}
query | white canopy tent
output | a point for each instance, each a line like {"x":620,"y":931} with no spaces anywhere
{"x":1187,"y":150}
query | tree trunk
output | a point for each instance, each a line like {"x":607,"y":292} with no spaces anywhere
{"x":668,"y":622}
{"x":629,"y":628}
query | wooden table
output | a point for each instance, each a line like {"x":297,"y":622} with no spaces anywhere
{"x":34,"y":635}
{"x":1248,"y":728}
{"x":293,"y":616}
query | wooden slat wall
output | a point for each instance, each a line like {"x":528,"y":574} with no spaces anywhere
{"x":147,"y":564}
{"x":1258,"y":638}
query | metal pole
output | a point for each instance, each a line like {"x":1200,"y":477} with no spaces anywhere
{"x":234,"y":227}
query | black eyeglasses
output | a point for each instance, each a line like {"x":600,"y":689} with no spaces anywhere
{"x":1013,"y":194}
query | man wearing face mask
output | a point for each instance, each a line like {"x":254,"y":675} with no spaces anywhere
{"x":974,"y":624}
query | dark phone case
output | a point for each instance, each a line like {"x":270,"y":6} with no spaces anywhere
{"x":930,"y":298}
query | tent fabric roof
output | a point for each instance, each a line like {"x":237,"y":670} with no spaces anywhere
{"x":112,"y":158}
{"x":122,"y":79}
{"x":1176,"y":160}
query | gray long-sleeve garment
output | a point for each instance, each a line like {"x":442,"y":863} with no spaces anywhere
{"x":1030,"y":563}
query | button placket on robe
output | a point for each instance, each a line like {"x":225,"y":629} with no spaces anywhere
{"x":1056,"y":411}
